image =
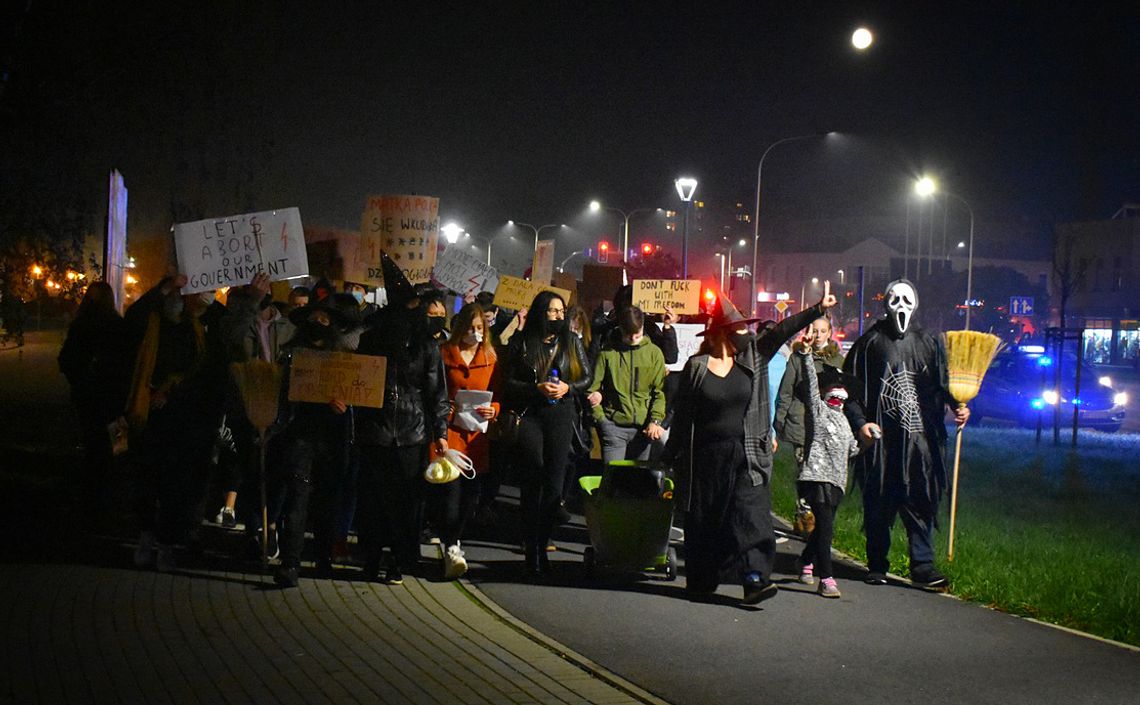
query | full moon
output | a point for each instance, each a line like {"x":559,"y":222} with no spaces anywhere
{"x":862,"y":38}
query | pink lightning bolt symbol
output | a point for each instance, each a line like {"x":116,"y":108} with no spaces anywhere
{"x":284,"y":236}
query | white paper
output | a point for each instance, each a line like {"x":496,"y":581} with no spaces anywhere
{"x":229,"y":251}
{"x":465,"y":416}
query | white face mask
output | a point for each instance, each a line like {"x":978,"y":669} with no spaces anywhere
{"x":901,"y":300}
{"x":473,"y":338}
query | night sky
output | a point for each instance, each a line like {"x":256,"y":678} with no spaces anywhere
{"x":529,"y":113}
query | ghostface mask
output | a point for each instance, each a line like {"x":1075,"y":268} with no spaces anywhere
{"x":901,"y":300}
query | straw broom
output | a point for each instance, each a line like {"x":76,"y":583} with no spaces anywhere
{"x":968,"y":356}
{"x":259,"y":384}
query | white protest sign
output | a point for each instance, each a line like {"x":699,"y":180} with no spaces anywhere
{"x":687,"y":343}
{"x":230,"y":251}
{"x":464,"y":273}
{"x":653,"y":295}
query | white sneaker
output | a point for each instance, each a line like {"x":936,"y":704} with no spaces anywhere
{"x":226,"y":518}
{"x":454,"y":563}
{"x":144,"y":554}
{"x":164,"y":558}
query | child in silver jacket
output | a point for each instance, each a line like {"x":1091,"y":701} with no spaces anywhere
{"x":822,"y":479}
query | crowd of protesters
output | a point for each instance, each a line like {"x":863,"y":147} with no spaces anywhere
{"x":156,"y":383}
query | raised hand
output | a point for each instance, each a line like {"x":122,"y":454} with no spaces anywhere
{"x":828,"y":299}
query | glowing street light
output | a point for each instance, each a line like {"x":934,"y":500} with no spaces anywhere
{"x":596,"y":206}
{"x":451,"y":231}
{"x":37,"y":271}
{"x":926,"y":187}
{"x":686,"y":187}
{"x":862,"y":38}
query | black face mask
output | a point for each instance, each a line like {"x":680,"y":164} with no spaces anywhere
{"x":436,"y":325}
{"x":317,"y":334}
{"x":740,"y":341}
{"x":554,"y":327}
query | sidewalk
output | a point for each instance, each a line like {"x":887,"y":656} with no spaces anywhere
{"x":108,"y":633}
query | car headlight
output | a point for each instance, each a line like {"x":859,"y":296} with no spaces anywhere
{"x":1051,"y":397}
{"x":1120,"y":398}
{"x":1106,"y":381}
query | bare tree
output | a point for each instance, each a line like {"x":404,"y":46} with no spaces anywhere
{"x":1068,"y":273}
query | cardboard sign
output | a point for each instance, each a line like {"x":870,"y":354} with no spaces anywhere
{"x":542,"y":266}
{"x":319,"y":377}
{"x":687,"y":343}
{"x":599,"y":284}
{"x":464,"y":273}
{"x":407,"y":228}
{"x":565,"y":280}
{"x":514,"y":293}
{"x":653,"y":295}
{"x":229,"y":251}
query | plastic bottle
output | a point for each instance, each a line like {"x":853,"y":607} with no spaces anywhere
{"x":553,"y":378}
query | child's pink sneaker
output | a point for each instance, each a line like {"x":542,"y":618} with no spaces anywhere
{"x":807,"y":577}
{"x":829,"y":588}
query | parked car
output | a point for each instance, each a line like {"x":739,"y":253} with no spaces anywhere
{"x":1020,"y":386}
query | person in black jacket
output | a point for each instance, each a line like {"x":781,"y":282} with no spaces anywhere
{"x":94,"y":360}
{"x":393,"y":441}
{"x":546,"y":367}
{"x":663,"y":335}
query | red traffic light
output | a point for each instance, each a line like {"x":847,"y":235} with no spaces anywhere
{"x":647,"y":249}
{"x":603,"y":252}
{"x":603,"y":246}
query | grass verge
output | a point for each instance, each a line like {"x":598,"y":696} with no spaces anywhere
{"x":1041,"y":531}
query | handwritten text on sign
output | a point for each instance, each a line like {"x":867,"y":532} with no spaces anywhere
{"x":687,"y":343}
{"x":653,"y":295}
{"x":463,"y":273}
{"x":515,"y":293}
{"x":230,"y":251}
{"x":407,"y":228}
{"x":319,"y":377}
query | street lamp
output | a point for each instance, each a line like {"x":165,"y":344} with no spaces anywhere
{"x":596,"y":206}
{"x":926,"y":187}
{"x":561,"y":267}
{"x":756,"y":223}
{"x":686,"y":187}
{"x":451,"y":231}
{"x":536,"y":230}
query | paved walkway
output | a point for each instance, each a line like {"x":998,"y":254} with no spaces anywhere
{"x":106,"y":634}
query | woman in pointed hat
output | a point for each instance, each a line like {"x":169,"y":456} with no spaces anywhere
{"x":723,"y":418}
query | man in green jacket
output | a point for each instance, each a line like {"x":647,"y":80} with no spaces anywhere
{"x":628,"y":392}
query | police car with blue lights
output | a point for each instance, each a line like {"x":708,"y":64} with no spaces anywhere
{"x":1020,"y":386}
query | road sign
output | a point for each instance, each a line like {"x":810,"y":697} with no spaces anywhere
{"x":1021,"y":305}
{"x":781,"y":306}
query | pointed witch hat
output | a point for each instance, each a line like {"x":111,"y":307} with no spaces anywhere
{"x":396,"y":284}
{"x":725,"y":314}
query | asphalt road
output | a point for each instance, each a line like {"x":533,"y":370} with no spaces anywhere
{"x":892,"y":644}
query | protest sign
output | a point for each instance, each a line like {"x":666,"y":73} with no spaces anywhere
{"x":514,"y":293}
{"x":653,"y":295}
{"x":687,"y":343}
{"x":542,"y":266}
{"x":565,"y":280}
{"x":230,"y":251}
{"x":463,"y":273}
{"x":599,"y":284}
{"x":115,"y":262}
{"x":407,"y":228}
{"x":319,"y":377}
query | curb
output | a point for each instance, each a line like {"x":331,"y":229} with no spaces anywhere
{"x":566,"y":653}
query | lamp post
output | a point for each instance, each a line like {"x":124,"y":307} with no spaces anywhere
{"x":536,"y":230}
{"x":803,"y":291}
{"x":596,"y":206}
{"x":562,"y":267}
{"x":756,"y":223}
{"x":926,"y":187}
{"x":686,"y":187}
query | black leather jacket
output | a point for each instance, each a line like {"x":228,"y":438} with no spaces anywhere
{"x":524,"y":365}
{"x":415,"y":390}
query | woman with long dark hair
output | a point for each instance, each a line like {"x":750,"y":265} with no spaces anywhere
{"x":94,"y":358}
{"x":546,"y":367}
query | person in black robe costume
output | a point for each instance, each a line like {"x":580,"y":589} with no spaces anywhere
{"x":902,"y":403}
